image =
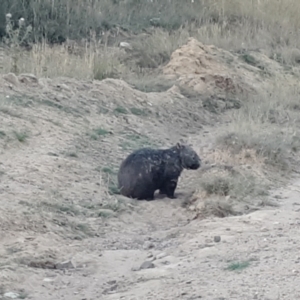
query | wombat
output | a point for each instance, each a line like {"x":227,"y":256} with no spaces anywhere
{"x":146,"y":170}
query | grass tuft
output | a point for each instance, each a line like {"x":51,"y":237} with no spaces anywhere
{"x":21,"y":136}
{"x":238,"y":266}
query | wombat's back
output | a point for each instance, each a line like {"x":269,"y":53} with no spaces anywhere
{"x":137,"y":172}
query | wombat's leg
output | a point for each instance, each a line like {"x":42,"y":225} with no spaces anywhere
{"x":162,"y":190}
{"x":170,"y":188}
{"x":149,"y":195}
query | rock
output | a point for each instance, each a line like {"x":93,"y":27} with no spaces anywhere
{"x":11,"y":78}
{"x":65,"y":265}
{"x":161,"y":255}
{"x":147,"y":265}
{"x":148,"y":245}
{"x":217,"y":239}
{"x":48,"y":279}
{"x":28,"y":78}
{"x":125,"y":45}
{"x":149,"y":255}
{"x":11,"y":295}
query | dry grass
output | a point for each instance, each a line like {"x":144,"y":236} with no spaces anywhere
{"x":256,"y":150}
{"x":269,"y":124}
{"x":45,"y":60}
{"x":230,"y":24}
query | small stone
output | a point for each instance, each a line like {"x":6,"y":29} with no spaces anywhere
{"x":148,"y":245}
{"x":147,"y":265}
{"x":65,"y":265}
{"x":11,"y":295}
{"x":125,"y":45}
{"x":28,"y":78}
{"x":192,"y":208}
{"x":217,"y":239}
{"x":48,"y":279}
{"x":11,"y":78}
{"x":161,"y":255}
{"x":149,"y":255}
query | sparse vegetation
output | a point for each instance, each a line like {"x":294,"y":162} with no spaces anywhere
{"x":2,"y":134}
{"x":138,"y":112}
{"x":21,"y":136}
{"x":60,"y":208}
{"x":108,"y":170}
{"x":96,"y":133}
{"x":23,"y":295}
{"x":238,"y":266}
{"x":235,"y":96}
{"x":135,"y":141}
{"x":267,"y":124}
{"x":238,"y":185}
{"x":83,"y":229}
{"x":150,"y":83}
{"x":231,"y":25}
{"x":249,"y":59}
{"x":113,"y":189}
{"x":120,"y":110}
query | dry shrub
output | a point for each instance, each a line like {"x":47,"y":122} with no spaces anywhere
{"x":242,"y":186}
{"x":44,"y":60}
{"x":156,"y":49}
{"x":150,"y":83}
{"x":229,"y":24}
{"x":219,"y":207}
{"x":269,"y":124}
{"x":223,"y":193}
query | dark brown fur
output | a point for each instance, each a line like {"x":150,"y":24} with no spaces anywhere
{"x":146,"y":170}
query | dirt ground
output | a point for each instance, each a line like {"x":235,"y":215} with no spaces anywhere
{"x":65,"y":234}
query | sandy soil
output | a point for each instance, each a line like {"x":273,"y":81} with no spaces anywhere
{"x":66,"y":235}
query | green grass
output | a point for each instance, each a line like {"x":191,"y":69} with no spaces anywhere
{"x":105,"y":213}
{"x":238,"y":266}
{"x":135,"y":141}
{"x":108,"y":171}
{"x":96,"y":133}
{"x":249,"y":59}
{"x":61,"y":208}
{"x":2,"y":134}
{"x":120,"y":110}
{"x":21,"y":136}
{"x":113,"y":189}
{"x":23,"y":295}
{"x":138,"y":112}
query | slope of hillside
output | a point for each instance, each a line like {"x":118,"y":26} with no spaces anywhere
{"x":67,"y":234}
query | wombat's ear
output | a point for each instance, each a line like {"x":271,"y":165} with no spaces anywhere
{"x":178,"y":145}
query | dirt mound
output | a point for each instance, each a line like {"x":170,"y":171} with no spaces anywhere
{"x":207,"y":69}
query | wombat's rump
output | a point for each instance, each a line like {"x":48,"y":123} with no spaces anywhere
{"x":146,"y":170}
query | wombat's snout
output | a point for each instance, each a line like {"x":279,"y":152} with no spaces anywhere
{"x":196,"y":165}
